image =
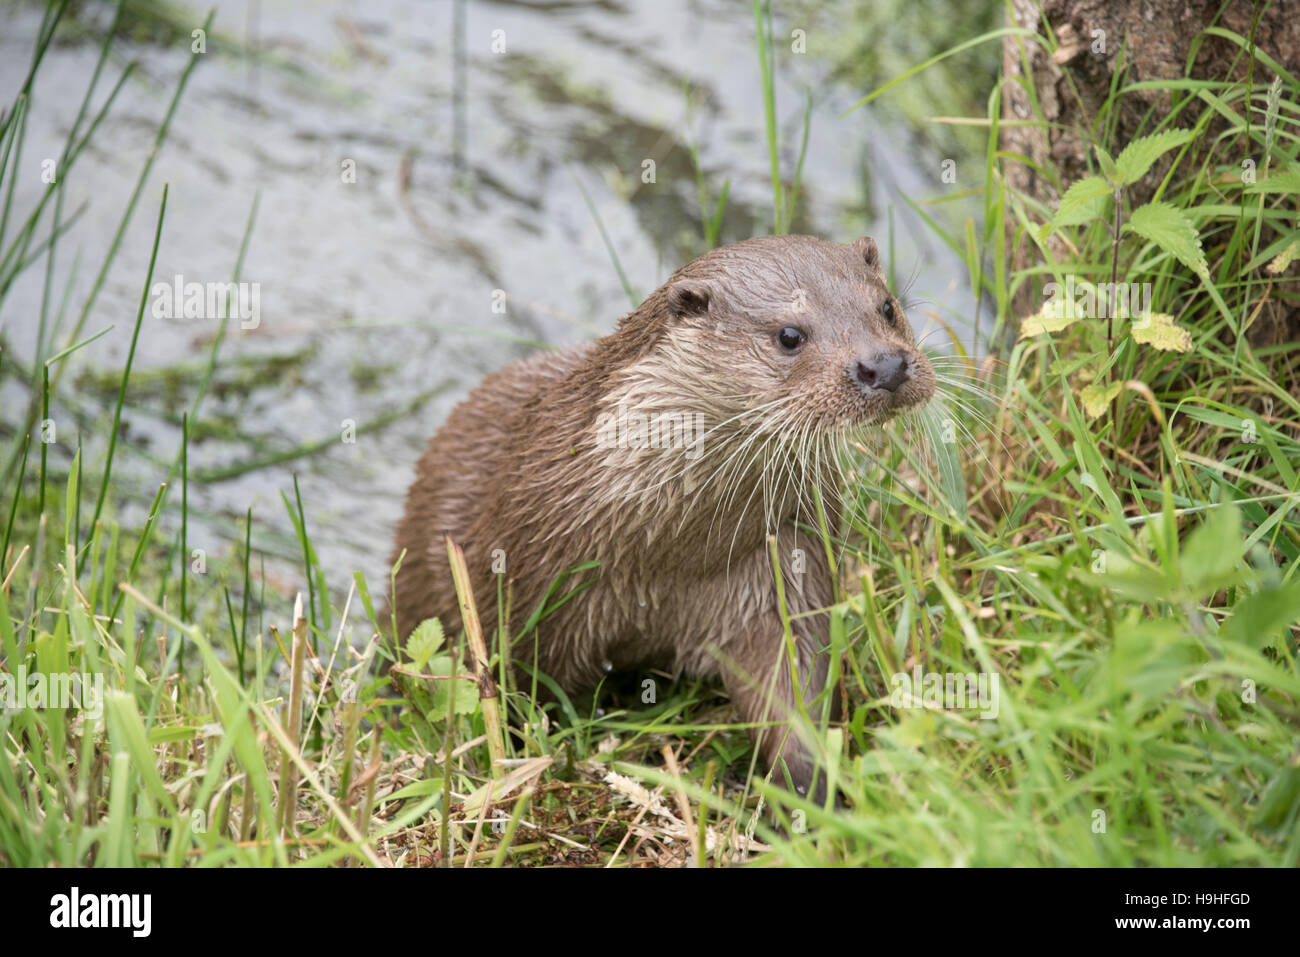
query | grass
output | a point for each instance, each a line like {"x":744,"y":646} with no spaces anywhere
{"x":1106,"y":526}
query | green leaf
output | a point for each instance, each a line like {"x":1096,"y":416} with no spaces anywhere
{"x":1279,"y":798}
{"x":1258,"y":618}
{"x":1107,"y":165}
{"x":1159,"y":330}
{"x":1082,"y":202}
{"x":1168,"y":228}
{"x":1287,"y":182}
{"x":1149,"y":661}
{"x":72,"y":498}
{"x":466,"y":696}
{"x":1122,"y":575}
{"x":166,"y":735}
{"x":424,"y":641}
{"x":1210,"y":554}
{"x":1094,"y":473}
{"x":1141,"y":154}
{"x":1097,"y":397}
{"x":364,"y":592}
{"x":417,"y":789}
{"x":466,"y":691}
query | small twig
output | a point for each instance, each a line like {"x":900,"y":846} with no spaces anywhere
{"x":4,"y":586}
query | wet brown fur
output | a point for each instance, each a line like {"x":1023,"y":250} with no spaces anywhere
{"x":685,"y":579}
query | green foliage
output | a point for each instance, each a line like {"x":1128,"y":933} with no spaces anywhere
{"x":426,"y":639}
{"x":1170,"y":229}
{"x":1141,"y":154}
{"x":1083,"y":202}
{"x":448,"y":689}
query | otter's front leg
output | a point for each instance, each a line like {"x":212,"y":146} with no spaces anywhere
{"x":764,"y":691}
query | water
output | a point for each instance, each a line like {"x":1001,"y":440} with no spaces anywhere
{"x":378,"y":291}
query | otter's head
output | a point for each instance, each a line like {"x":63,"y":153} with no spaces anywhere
{"x":751,"y":368}
{"x":804,"y":326}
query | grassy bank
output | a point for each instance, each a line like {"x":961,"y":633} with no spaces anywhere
{"x":1102,"y":519}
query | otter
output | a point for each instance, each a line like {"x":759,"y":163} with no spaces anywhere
{"x":668,"y":452}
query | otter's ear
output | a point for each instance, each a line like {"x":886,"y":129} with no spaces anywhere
{"x":688,"y":297}
{"x":866,"y":248}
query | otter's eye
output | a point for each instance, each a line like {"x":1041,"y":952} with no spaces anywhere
{"x":791,"y":338}
{"x":887,"y":310}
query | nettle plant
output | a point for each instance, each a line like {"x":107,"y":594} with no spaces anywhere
{"x":1169,"y":230}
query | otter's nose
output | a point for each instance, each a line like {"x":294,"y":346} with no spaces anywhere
{"x":886,"y":371}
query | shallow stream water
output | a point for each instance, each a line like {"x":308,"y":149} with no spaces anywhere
{"x":469,"y":178}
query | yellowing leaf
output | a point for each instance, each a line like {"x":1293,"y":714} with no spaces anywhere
{"x":1161,"y":332}
{"x":1284,"y":258}
{"x":1048,"y":319}
{"x":503,"y":787}
{"x":1096,"y":397}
